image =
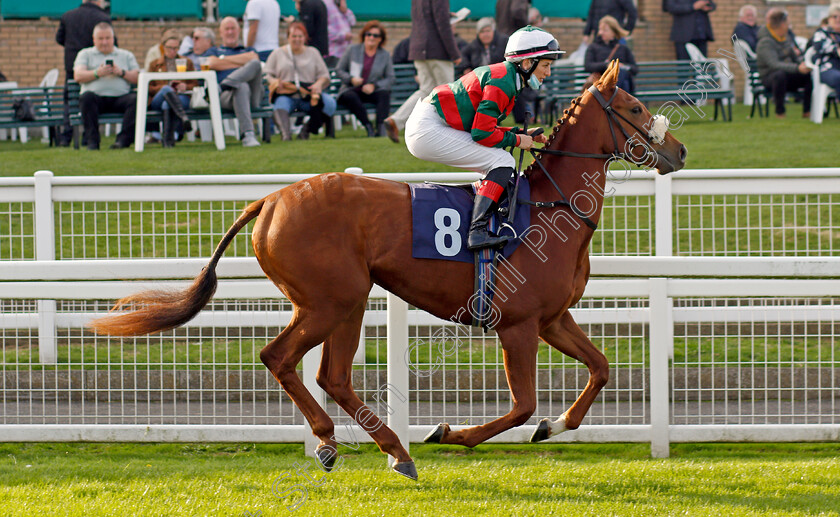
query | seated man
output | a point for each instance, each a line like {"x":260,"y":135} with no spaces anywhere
{"x":780,"y":67}
{"x":203,"y":40}
{"x":239,"y":72}
{"x":106,"y":74}
{"x":746,"y":29}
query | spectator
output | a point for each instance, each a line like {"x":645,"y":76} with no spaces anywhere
{"x":203,"y":40}
{"x":3,"y":78}
{"x":75,"y":32}
{"x":606,"y":47}
{"x":487,"y":48}
{"x":340,"y":21}
{"x":433,"y":49}
{"x":827,"y":48}
{"x":171,"y":98}
{"x":535,"y":19}
{"x":511,"y":15}
{"x":622,"y":10}
{"x":367,"y":75}
{"x":156,"y":51}
{"x":297,"y":78}
{"x":746,"y":29}
{"x":262,"y":26}
{"x":313,"y":14}
{"x":106,"y":74}
{"x":239,"y":72}
{"x":691,"y":24}
{"x":779,"y":66}
{"x":400,"y":54}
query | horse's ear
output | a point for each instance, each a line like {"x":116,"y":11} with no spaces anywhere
{"x":610,"y":77}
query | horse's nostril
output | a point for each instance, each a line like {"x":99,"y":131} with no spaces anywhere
{"x":683,"y":153}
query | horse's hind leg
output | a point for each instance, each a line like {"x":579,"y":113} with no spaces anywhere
{"x":306,"y":330}
{"x":566,"y":336}
{"x":335,"y":376}
{"x":519,"y":348}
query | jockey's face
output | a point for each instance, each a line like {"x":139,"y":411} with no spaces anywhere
{"x":543,"y":69}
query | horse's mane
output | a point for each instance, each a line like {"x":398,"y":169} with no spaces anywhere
{"x":555,"y":131}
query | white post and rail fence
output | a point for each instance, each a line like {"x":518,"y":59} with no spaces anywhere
{"x":655,"y":281}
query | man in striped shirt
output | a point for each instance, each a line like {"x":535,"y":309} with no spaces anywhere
{"x":458,"y":123}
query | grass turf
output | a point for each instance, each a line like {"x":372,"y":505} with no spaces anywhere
{"x":758,"y":142}
{"x":246,"y":479}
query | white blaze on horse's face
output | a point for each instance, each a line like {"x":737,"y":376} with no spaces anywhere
{"x":658,"y":128}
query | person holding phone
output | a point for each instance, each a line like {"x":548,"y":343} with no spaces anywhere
{"x":691,"y":24}
{"x":106,"y":74}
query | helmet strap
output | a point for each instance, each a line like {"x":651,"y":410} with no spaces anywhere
{"x":526,"y":74}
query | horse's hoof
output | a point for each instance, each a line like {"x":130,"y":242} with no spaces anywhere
{"x":542,"y":432}
{"x":407,"y":469}
{"x":436,"y":435}
{"x":326,"y":456}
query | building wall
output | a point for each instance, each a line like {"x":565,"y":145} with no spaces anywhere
{"x":28,"y":48}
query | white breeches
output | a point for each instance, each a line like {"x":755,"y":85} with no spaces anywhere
{"x":428,"y":137}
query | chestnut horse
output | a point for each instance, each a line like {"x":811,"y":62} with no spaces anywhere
{"x":326,"y":240}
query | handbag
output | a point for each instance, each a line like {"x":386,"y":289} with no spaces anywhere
{"x":24,"y":111}
{"x":594,"y":76}
{"x":199,"y":100}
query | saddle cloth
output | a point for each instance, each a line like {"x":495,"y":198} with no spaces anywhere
{"x":440,"y":219}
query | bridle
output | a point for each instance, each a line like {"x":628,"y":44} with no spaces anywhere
{"x":650,"y":136}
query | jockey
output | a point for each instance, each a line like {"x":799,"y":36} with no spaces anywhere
{"x":457,"y":124}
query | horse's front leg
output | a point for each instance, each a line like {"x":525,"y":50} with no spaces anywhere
{"x":519,"y":349}
{"x":566,"y":336}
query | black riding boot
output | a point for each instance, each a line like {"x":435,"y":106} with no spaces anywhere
{"x":178,"y":109}
{"x":486,"y":202}
{"x":167,"y":137}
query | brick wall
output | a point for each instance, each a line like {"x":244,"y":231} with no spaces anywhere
{"x":28,"y":49}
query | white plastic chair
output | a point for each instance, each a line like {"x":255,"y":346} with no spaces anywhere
{"x":719,"y":77}
{"x":575,"y":58}
{"x":744,"y":46}
{"x":820,"y":91}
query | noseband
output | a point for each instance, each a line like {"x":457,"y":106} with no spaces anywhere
{"x":650,"y":136}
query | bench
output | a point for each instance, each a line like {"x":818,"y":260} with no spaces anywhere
{"x":659,"y":81}
{"x":404,"y":85}
{"x":47,"y":102}
{"x":263,"y":113}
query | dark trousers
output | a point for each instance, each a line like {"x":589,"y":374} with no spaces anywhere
{"x":525,"y":102}
{"x":92,"y":105}
{"x":353,"y":100}
{"x":67,"y":133}
{"x":682,"y":53}
{"x":781,"y":82}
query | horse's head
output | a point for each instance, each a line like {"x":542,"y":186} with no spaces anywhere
{"x":629,"y":129}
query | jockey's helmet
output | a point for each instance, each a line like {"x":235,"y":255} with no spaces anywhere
{"x":531,"y":42}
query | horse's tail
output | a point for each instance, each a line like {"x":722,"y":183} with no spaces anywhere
{"x":157,"y":310}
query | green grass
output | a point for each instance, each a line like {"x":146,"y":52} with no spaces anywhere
{"x":793,"y":142}
{"x":219,"y":354}
{"x":608,"y":479}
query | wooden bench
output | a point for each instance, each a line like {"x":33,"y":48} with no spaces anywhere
{"x":263,"y":113}
{"x":48,"y":105}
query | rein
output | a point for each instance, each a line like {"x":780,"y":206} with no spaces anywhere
{"x":611,"y":118}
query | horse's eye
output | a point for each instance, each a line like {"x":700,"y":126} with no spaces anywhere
{"x":636,"y":110}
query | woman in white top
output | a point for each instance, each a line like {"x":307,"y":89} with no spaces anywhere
{"x":298,"y":79}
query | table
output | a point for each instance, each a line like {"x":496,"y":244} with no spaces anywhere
{"x":143,"y":102}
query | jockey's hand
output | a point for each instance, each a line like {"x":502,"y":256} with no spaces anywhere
{"x":540,"y":138}
{"x":525,"y":142}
